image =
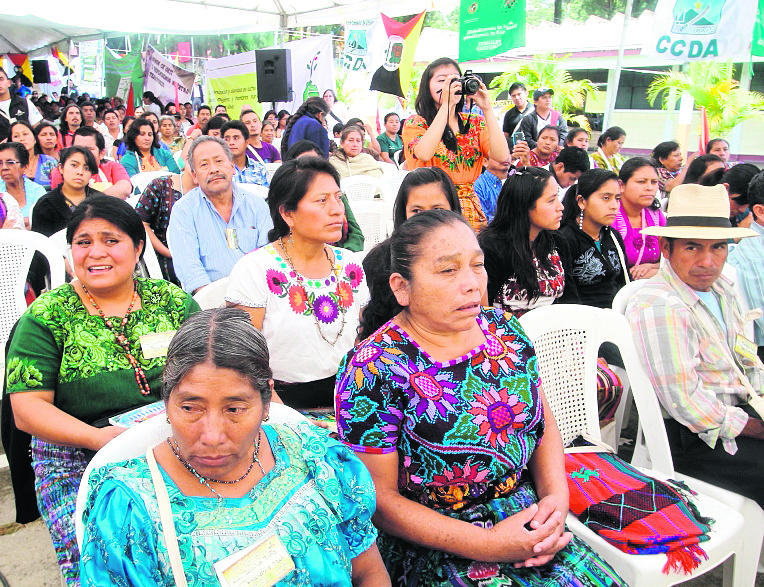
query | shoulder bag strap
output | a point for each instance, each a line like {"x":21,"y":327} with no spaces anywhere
{"x":165,"y":516}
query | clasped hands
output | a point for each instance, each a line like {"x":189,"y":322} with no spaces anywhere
{"x":531,"y":537}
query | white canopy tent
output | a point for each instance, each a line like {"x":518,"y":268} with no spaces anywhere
{"x":23,"y":32}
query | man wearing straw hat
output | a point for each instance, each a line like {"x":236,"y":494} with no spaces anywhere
{"x":688,"y":327}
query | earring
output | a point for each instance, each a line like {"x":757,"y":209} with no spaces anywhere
{"x":167,"y":418}
{"x":581,"y":220}
{"x":266,"y":417}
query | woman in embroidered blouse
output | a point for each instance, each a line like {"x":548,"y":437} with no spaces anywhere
{"x":40,"y":166}
{"x":444,"y":406}
{"x":639,"y":185}
{"x":522,"y":259}
{"x":75,"y":358}
{"x":350,"y":159}
{"x":668,"y":159}
{"x":143,"y":151}
{"x":545,"y":151}
{"x":609,"y":145}
{"x":305,"y":295}
{"x":232,"y":479}
{"x":442,"y":135}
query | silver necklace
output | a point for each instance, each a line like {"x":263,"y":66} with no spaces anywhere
{"x":206,"y":480}
{"x":301,"y":283}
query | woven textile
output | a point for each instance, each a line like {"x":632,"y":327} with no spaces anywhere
{"x":635,"y":513}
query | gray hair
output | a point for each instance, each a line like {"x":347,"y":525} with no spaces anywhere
{"x":224,"y":337}
{"x":205,"y":139}
{"x":170,"y":118}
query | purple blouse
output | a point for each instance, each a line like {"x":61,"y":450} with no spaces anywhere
{"x":637,"y":244}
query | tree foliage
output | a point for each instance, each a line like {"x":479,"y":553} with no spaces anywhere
{"x":711,"y":85}
{"x":546,"y":71}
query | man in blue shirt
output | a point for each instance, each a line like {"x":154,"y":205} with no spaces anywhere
{"x":236,"y":135}
{"x":488,"y":185}
{"x":216,"y":224}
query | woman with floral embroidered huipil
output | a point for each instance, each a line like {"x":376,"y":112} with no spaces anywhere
{"x":444,"y":406}
{"x":442,"y":135}
{"x":305,"y":295}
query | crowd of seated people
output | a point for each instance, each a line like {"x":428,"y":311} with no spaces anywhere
{"x":411,"y":345}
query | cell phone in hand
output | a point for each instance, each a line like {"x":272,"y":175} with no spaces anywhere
{"x":517,"y":137}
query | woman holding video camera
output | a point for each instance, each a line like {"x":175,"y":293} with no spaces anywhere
{"x":444,"y":134}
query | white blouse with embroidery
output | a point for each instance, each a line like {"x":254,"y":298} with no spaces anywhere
{"x":294,"y":313}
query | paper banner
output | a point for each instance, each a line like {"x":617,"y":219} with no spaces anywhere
{"x":161,"y":75}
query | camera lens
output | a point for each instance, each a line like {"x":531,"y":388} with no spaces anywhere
{"x":471,"y":85}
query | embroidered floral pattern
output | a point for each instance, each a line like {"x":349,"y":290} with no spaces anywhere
{"x":466,"y":154}
{"x":327,"y":305}
{"x":498,"y":414}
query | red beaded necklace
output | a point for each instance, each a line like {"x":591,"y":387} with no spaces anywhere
{"x":140,"y":376}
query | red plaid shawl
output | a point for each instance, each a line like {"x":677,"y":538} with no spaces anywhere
{"x":634,"y":512}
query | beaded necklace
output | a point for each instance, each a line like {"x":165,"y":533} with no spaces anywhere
{"x":301,"y":282}
{"x":119,"y":335}
{"x":206,"y":480}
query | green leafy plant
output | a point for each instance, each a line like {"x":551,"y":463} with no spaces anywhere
{"x":547,"y":71}
{"x":711,"y":85}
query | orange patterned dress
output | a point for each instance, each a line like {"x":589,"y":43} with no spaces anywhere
{"x":463,"y":166}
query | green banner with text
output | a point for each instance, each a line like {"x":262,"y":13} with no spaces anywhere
{"x":757,"y":46}
{"x":490,"y":27}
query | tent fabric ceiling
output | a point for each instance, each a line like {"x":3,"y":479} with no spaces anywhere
{"x":21,"y":32}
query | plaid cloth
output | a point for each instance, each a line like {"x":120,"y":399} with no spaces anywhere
{"x":471,"y":209}
{"x":635,"y":513}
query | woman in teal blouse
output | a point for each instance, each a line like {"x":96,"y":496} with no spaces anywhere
{"x":143,"y":151}
{"x":232,"y":482}
{"x":76,"y":358}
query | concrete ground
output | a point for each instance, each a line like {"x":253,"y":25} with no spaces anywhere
{"x":27,"y":558}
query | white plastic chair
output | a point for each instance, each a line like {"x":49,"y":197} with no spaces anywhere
{"x":133,"y":443}
{"x":212,"y":295}
{"x":254,"y":189}
{"x":149,"y":265}
{"x":270,"y":170}
{"x":566,"y":344}
{"x":373,"y":218}
{"x":393,"y":180}
{"x":362,"y":188}
{"x":17,"y":247}
{"x":141,"y":180}
{"x":58,"y":239}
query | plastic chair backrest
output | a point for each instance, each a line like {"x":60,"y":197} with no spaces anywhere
{"x":373,"y":219}
{"x":151,"y":261}
{"x":133,"y":443}
{"x":59,"y":241}
{"x":621,"y":298}
{"x":212,"y":295}
{"x":270,"y":169}
{"x":17,"y":247}
{"x":393,"y":180}
{"x":566,"y":339}
{"x":361,"y":188}
{"x":141,"y":180}
{"x":254,"y":189}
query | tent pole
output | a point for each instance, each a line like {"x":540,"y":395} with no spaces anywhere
{"x":608,"y":119}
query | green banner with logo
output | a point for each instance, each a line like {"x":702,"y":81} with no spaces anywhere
{"x":122,"y":72}
{"x":490,"y":27}
{"x":757,"y":47}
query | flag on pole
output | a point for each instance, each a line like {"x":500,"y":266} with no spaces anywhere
{"x":21,"y":67}
{"x":705,"y":134}
{"x":395,"y":71}
{"x":757,"y":46}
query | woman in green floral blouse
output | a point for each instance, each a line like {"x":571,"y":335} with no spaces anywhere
{"x":77,"y":357}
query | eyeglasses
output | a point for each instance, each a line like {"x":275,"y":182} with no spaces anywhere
{"x":8,"y":163}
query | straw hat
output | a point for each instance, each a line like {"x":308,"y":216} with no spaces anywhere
{"x":700,"y":212}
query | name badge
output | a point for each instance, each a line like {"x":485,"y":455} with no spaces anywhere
{"x":260,"y":565}
{"x":155,"y":345}
{"x":746,"y":348}
{"x":231,"y":239}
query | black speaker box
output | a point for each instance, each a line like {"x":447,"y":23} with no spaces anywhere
{"x":274,"y":75}
{"x":40,"y":72}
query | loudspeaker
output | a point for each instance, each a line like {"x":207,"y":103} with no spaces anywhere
{"x":274,"y":75}
{"x":40,"y":72}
